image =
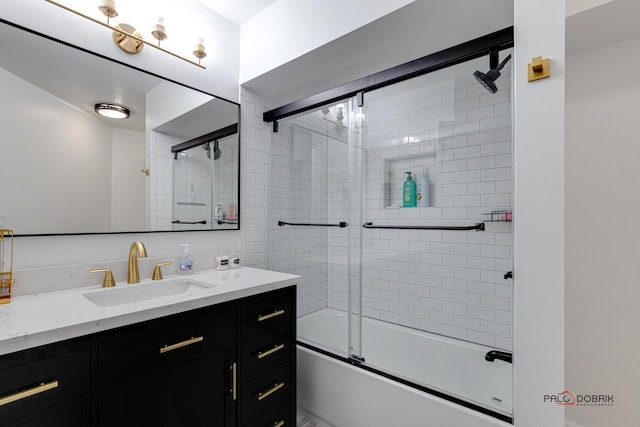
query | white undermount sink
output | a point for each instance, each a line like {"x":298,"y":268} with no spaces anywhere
{"x":126,"y":294}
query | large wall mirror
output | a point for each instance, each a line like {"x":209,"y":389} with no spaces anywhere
{"x":173,"y":165}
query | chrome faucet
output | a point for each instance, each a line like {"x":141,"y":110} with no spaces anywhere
{"x":136,"y":251}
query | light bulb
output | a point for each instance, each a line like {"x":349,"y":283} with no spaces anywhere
{"x":199,"y":50}
{"x":158,"y":31}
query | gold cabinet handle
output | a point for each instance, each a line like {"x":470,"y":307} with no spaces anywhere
{"x":27,"y":393}
{"x":278,"y":423}
{"x":234,"y":378}
{"x":176,"y":346}
{"x":275,"y":348}
{"x":269,"y":392}
{"x":270,"y":315}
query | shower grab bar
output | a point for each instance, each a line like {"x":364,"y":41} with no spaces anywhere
{"x":495,"y":354}
{"x":478,"y":227}
{"x":341,"y":224}
{"x":177,"y":221}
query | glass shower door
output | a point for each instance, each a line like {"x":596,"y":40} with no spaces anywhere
{"x":430,"y":304}
{"x":310,"y":197}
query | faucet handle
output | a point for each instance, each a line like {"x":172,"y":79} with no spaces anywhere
{"x":108,"y":281}
{"x":157,"y":272}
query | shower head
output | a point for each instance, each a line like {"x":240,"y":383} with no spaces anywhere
{"x":216,"y":150}
{"x":488,"y":79}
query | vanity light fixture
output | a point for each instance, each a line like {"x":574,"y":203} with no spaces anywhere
{"x":112,"y":111}
{"x":128,"y":38}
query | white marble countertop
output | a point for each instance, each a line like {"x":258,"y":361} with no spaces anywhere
{"x":33,"y":320}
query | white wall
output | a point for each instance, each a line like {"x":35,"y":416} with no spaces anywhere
{"x":539,"y":215}
{"x":602,"y":263}
{"x":577,"y":6}
{"x":289,"y":28}
{"x":67,"y":158}
{"x":127,"y":180}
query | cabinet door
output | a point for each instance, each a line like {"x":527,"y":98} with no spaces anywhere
{"x":42,"y":384}
{"x":193,"y":392}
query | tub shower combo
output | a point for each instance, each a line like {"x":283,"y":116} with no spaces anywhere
{"x":418,"y":296}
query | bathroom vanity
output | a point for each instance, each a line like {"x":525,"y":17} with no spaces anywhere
{"x":219,"y":354}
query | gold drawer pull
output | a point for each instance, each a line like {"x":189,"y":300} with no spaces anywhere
{"x":269,"y":392}
{"x":185,"y":343}
{"x":270,"y":351}
{"x":234,"y":380}
{"x":270,"y":315}
{"x":30,"y":392}
{"x":278,"y":423}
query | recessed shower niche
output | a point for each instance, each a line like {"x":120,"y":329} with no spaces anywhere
{"x":394,"y":175}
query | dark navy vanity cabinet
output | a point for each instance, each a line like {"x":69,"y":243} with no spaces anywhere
{"x":232,"y":364}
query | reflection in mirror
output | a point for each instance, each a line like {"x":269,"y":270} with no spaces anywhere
{"x":67,"y":170}
{"x":195,"y":200}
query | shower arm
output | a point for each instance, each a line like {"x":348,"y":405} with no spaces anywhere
{"x":504,"y":62}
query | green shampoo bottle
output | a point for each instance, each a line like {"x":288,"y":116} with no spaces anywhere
{"x":409,"y":192}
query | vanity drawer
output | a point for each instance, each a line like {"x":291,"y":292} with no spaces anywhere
{"x":133,"y":350}
{"x":280,"y":416}
{"x":266,"y":392}
{"x":35,"y":386}
{"x":265,"y":350}
{"x":269,"y":311}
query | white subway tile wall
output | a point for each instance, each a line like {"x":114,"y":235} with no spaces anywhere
{"x":447,"y":282}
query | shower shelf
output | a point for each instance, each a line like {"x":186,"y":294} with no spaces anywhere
{"x":341,"y":224}
{"x":503,"y":215}
{"x":478,"y":227}
{"x":177,"y":221}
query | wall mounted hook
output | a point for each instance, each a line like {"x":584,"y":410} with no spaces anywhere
{"x":539,"y":68}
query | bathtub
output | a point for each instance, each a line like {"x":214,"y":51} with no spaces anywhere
{"x":409,"y":377}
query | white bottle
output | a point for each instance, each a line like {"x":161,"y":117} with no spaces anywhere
{"x":186,"y":263}
{"x":422,"y":190}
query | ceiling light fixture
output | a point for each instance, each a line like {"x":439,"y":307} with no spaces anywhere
{"x":128,"y":38}
{"x":112,"y":111}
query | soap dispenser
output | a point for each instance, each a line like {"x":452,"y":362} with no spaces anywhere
{"x":409,"y":192}
{"x":186,"y":263}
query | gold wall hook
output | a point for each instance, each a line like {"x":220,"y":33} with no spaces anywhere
{"x":539,"y":68}
{"x":146,"y":171}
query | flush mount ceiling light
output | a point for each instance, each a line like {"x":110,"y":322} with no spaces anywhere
{"x":128,"y":38}
{"x":112,"y":111}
